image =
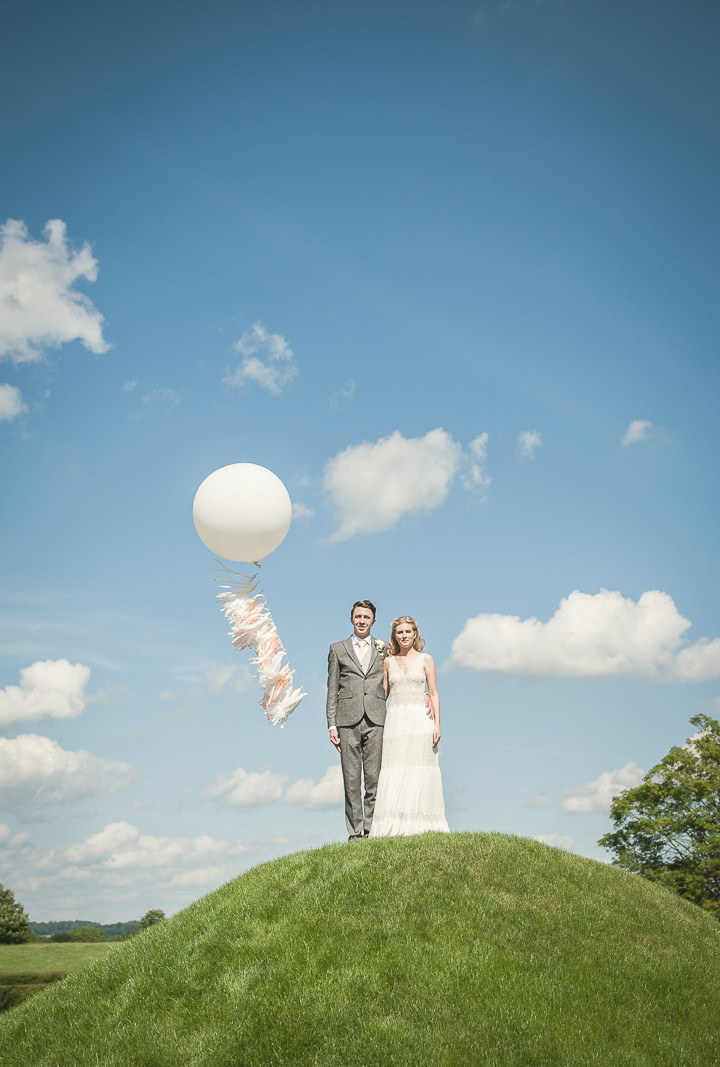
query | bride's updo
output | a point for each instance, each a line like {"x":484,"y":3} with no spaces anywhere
{"x":394,"y":647}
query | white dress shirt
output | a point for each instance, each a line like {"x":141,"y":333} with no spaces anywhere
{"x":361,"y":647}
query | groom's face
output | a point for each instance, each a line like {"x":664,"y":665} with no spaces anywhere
{"x":362,"y":620}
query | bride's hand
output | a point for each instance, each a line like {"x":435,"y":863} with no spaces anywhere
{"x":436,"y":735}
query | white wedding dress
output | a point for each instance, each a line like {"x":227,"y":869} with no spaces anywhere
{"x":409,"y":795}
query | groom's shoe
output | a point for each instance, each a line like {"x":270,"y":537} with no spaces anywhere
{"x":355,"y":837}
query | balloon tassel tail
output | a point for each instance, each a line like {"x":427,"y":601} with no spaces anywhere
{"x":252,"y":626}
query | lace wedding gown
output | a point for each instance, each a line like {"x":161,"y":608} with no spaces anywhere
{"x":409,"y":795}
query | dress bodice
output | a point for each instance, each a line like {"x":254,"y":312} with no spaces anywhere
{"x":406,"y":686}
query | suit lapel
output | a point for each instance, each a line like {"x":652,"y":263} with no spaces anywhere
{"x":350,"y":649}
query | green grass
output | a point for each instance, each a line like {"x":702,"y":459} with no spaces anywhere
{"x":26,"y":970}
{"x":37,"y":958}
{"x":444,"y":949}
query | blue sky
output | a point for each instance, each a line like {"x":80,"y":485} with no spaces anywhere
{"x":449,"y":270}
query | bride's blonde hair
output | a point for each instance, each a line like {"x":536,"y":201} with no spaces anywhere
{"x":394,"y":647}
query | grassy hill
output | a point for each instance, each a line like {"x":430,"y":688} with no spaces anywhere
{"x":462,"y":949}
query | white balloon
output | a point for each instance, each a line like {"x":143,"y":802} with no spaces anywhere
{"x":242,"y":512}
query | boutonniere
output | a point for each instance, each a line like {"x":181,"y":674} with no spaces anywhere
{"x":380,"y":646}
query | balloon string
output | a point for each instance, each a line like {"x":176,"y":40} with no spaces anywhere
{"x":238,"y":575}
{"x":252,"y":626}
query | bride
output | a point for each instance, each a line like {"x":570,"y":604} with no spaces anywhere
{"x":409,"y":795}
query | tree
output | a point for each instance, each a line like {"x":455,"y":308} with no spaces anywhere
{"x":150,"y":918}
{"x":667,"y":829}
{"x":14,"y":929}
{"x":87,"y":933}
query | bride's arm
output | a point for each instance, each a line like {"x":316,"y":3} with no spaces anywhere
{"x":429,"y":665}
{"x":386,"y":685}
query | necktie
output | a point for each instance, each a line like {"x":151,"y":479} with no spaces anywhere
{"x":363,"y":653}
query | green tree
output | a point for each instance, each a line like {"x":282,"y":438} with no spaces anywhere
{"x":667,"y":829}
{"x":14,"y":927}
{"x":150,"y":918}
{"x":87,"y":933}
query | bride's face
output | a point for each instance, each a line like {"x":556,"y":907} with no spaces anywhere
{"x":405,"y":635}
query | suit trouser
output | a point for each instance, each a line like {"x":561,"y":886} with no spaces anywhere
{"x":360,"y":755}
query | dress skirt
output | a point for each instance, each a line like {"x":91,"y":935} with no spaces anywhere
{"x":410,"y":793}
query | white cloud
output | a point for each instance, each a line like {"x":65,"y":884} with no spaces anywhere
{"x":301,"y":511}
{"x":638,"y":430}
{"x":49,"y":689}
{"x":600,"y":635}
{"x":527,"y":443}
{"x":201,"y":876}
{"x":267,"y":361}
{"x":218,"y":677}
{"x":119,"y":863}
{"x":129,"y":387}
{"x":239,"y":674}
{"x":159,"y":399}
{"x":39,"y":308}
{"x":9,"y":840}
{"x":597,"y":795}
{"x":371,"y":486}
{"x":167,"y":398}
{"x":475,"y":476}
{"x":121,"y":846}
{"x":541,"y":800}
{"x":563,"y":841}
{"x":699,"y":662}
{"x":248,"y":789}
{"x":342,"y":397}
{"x":11,"y":403}
{"x":35,"y":771}
{"x":327,"y":793}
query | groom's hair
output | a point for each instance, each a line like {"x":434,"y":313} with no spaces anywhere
{"x":363,"y":604}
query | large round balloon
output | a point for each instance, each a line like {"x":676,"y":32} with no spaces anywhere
{"x":242,"y":512}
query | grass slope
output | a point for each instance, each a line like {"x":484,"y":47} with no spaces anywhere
{"x":442,"y":949}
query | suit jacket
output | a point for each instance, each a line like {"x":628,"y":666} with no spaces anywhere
{"x":353,"y":692}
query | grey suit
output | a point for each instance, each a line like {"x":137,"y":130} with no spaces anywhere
{"x":356,"y":708}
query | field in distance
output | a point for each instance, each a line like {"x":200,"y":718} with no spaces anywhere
{"x":37,"y":958}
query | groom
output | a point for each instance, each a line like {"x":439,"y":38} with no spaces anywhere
{"x":356,"y":714}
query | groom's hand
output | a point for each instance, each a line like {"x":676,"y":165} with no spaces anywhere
{"x":335,"y":738}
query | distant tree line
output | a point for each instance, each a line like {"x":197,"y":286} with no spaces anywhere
{"x":16,"y":929}
{"x":68,"y":928}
